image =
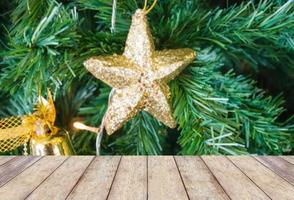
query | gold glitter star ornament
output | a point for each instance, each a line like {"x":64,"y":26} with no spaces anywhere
{"x":139,"y":77}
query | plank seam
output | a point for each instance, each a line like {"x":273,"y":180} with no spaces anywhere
{"x":45,"y":178}
{"x":147,"y":174}
{"x":181,"y":177}
{"x":20,"y":171}
{"x":273,"y":171}
{"x":249,"y":178}
{"x":224,"y":190}
{"x":114,"y":177}
{"x":8,"y":161}
{"x":286,"y":160}
{"x":82,"y":175}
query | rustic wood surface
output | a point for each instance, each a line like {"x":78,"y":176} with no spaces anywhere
{"x":155,"y":178}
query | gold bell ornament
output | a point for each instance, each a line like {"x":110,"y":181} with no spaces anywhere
{"x":38,"y":129}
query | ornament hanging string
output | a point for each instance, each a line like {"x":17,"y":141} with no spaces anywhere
{"x":113,"y":16}
{"x":102,"y":126}
{"x":151,"y":7}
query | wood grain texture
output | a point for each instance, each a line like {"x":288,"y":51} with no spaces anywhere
{"x":164,"y":180}
{"x":15,"y":166}
{"x":280,"y":166}
{"x":130,"y":182}
{"x":272,"y":184}
{"x":59,"y":184}
{"x":97,"y":180}
{"x":199,"y":181}
{"x":4,"y":159}
{"x":236,"y":184}
{"x":290,"y":159}
{"x":23,"y":184}
{"x":155,"y":178}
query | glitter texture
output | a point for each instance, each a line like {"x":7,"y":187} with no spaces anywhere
{"x":139,"y":77}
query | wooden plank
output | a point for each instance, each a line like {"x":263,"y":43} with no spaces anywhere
{"x":61,"y":182}
{"x":130,"y":181}
{"x":15,"y":166}
{"x":290,"y":159}
{"x":97,"y":180}
{"x":164,"y":180}
{"x":272,"y":184}
{"x":236,"y":184}
{"x":4,"y":159}
{"x":22,"y":185}
{"x":198,"y":180}
{"x":280,"y":166}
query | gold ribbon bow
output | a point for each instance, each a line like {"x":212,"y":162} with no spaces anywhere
{"x":17,"y":130}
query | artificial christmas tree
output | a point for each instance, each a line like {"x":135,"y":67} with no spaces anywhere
{"x":217,"y":109}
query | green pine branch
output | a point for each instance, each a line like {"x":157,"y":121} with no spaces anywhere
{"x":143,"y":135}
{"x":40,"y":48}
{"x":225,"y":113}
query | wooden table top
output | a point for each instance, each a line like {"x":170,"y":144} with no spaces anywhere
{"x":156,"y":178}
